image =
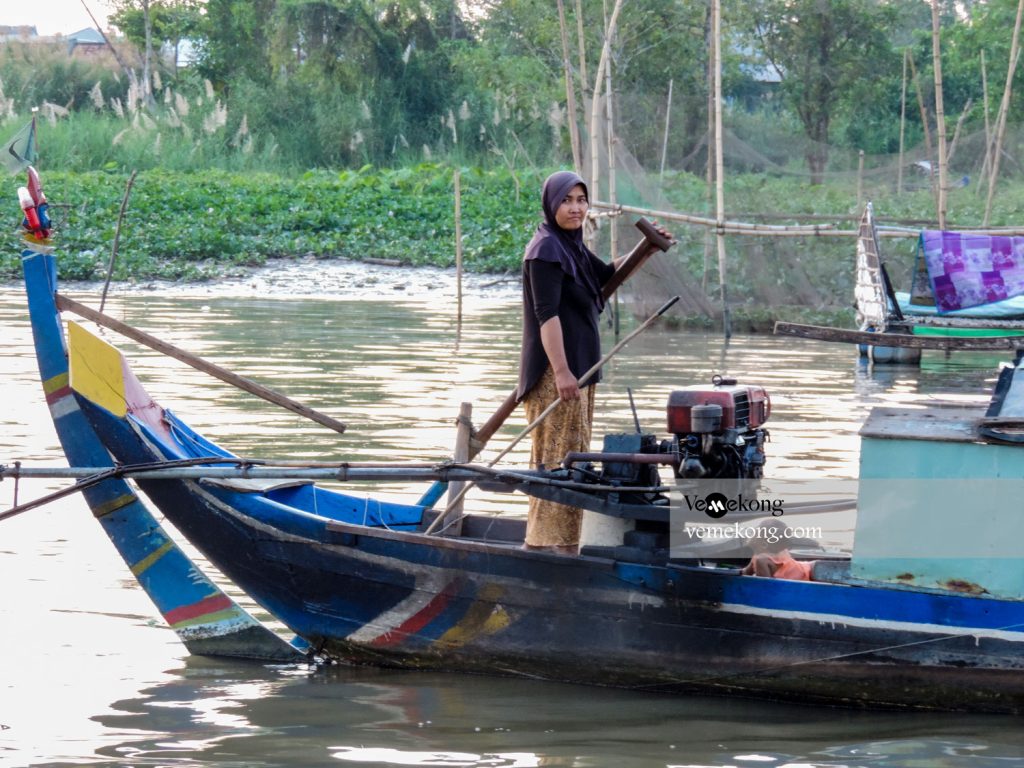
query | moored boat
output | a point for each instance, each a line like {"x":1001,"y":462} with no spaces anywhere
{"x":364,"y":582}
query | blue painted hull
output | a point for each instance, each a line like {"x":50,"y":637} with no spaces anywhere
{"x":367,"y":594}
{"x":360,"y":583}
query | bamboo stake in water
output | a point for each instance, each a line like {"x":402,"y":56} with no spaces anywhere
{"x":117,"y":237}
{"x":547,"y":411}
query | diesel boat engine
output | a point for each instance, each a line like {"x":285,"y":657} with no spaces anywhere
{"x":717,"y":433}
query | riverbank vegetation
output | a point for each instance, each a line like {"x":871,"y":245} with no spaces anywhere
{"x":334,"y":130}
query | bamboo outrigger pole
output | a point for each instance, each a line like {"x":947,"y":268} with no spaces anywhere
{"x":270,"y":395}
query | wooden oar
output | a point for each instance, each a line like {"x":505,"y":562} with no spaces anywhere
{"x":270,"y":395}
{"x":652,"y":242}
{"x":582,"y":382}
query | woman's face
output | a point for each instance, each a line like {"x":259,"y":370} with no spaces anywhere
{"x":573,"y":210}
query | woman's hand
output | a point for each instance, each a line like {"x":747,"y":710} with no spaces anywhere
{"x":568,"y":389}
{"x":662,"y":231}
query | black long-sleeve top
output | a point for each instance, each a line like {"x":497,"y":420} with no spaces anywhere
{"x":549,"y":291}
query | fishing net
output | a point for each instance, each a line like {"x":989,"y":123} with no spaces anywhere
{"x":778,"y":271}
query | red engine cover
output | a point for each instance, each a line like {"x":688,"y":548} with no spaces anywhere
{"x":742,"y":407}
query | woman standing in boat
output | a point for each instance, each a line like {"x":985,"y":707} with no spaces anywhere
{"x":562,"y":301}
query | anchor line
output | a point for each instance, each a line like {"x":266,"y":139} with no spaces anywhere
{"x":713,"y":679}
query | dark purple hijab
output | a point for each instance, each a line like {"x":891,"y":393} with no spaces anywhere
{"x":562,"y":246}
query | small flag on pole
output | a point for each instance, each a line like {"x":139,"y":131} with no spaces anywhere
{"x":21,"y":151}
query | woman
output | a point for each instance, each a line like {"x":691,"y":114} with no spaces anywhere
{"x":562,"y":301}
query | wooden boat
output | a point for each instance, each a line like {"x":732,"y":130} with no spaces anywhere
{"x":363,"y":582}
{"x":882,"y":309}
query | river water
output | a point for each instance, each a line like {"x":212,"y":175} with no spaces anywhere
{"x":89,"y":675}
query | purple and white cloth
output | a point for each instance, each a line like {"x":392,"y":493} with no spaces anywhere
{"x":968,"y":270}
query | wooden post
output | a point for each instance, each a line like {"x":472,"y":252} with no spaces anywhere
{"x":452,"y":522}
{"x":903,"y":127}
{"x":458,"y":246}
{"x":940,"y":115}
{"x":664,"y":141}
{"x":716,"y":10}
{"x":1004,"y":108}
{"x":570,"y":93}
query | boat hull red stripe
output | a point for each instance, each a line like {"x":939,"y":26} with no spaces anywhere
{"x":210,"y":604}
{"x":58,"y":394}
{"x":416,"y":622}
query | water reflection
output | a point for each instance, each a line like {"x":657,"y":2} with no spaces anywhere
{"x":236,"y":714}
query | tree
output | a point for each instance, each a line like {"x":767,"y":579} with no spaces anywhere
{"x":169,"y":22}
{"x":822,"y":48}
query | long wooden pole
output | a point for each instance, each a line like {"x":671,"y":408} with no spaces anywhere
{"x":613,"y":230}
{"x":582,"y":382}
{"x":903,"y":126}
{"x":270,"y":395}
{"x":581,"y":45}
{"x":940,"y":114}
{"x":1004,"y":108}
{"x":595,"y":168}
{"x":720,"y":168}
{"x":988,"y":128}
{"x":924,"y":119}
{"x":570,"y":92}
{"x":664,"y":140}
